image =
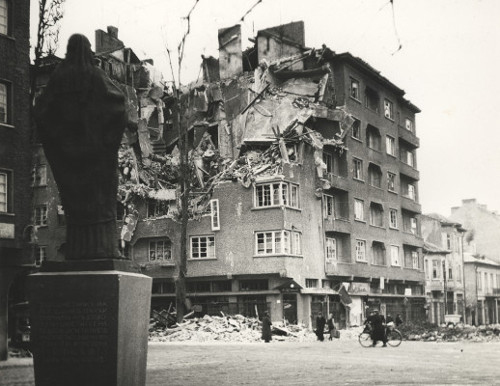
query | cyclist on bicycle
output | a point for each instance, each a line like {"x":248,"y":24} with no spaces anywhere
{"x":377,"y":323}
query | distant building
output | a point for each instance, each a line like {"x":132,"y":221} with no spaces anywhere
{"x":15,"y":159}
{"x":483,"y":228}
{"x":444,"y":267}
{"x":482,"y":278}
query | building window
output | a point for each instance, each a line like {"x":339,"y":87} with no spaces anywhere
{"x":311,"y":283}
{"x":408,"y":157}
{"x":414,"y":258}
{"x":373,"y":138}
{"x":376,"y":214}
{"x":214,"y":214}
{"x":391,"y":182}
{"x":40,"y":254}
{"x":5,"y":103}
{"x":393,"y":218}
{"x":202,"y":247}
{"x":409,"y":125}
{"x":160,"y":250}
{"x":390,"y":144}
{"x":360,"y":250}
{"x":357,"y":169}
{"x":375,"y":175}
{"x":157,"y":208}
{"x":328,"y":206}
{"x":372,"y":100}
{"x":413,"y":225}
{"x":326,"y":284}
{"x":61,"y":217}
{"x":359,"y":210}
{"x":329,"y":162}
{"x":254,"y":285}
{"x":395,"y":255}
{"x":388,"y":109}
{"x":4,"y":17}
{"x":278,"y":242}
{"x":411,"y":192}
{"x":39,"y":177}
{"x":4,"y":192}
{"x":354,"y":89}
{"x":277,"y":194}
{"x":448,"y":242}
{"x":378,"y":250}
{"x":356,"y":129}
{"x":331,"y":249}
{"x":450,"y":273}
{"x":435,"y":269}
{"x":41,"y":215}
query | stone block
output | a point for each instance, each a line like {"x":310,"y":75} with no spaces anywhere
{"x":89,"y":328}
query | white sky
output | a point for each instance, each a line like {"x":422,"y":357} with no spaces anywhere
{"x":448,"y":66}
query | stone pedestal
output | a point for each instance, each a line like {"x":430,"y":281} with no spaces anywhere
{"x":90,"y":328}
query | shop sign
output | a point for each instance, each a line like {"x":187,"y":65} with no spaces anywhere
{"x":359,"y":288}
{"x":6,"y":231}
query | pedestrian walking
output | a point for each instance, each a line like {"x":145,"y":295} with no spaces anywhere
{"x":320,"y":326}
{"x":266,"y":328}
{"x":377,"y":323}
{"x":331,"y":326}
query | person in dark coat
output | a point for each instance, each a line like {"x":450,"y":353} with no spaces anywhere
{"x":320,"y":326}
{"x":399,"y":321}
{"x":331,"y":326}
{"x":377,"y":323}
{"x":266,"y":328}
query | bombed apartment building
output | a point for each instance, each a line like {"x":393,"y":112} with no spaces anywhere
{"x":303,"y":186}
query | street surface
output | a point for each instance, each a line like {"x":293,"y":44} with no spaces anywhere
{"x":342,"y":362}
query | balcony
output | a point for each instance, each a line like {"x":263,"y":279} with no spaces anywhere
{"x":408,"y":136}
{"x":338,"y":181}
{"x":409,"y":204}
{"x":409,"y":171}
{"x":337,"y":225}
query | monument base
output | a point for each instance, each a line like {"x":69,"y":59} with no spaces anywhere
{"x":89,"y":328}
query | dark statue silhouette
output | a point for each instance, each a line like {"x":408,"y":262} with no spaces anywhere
{"x":80,"y":119}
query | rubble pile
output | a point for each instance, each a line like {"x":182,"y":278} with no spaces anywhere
{"x":460,"y":332}
{"x":236,"y":328}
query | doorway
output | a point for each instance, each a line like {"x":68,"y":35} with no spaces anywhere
{"x":290,"y":308}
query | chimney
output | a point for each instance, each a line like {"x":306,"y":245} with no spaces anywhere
{"x":469,"y":201}
{"x":230,"y":53}
{"x":113,"y":31}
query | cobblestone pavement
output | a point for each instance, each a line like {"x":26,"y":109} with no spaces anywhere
{"x":342,"y":362}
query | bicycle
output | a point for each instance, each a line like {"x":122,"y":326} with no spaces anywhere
{"x":394,"y":336}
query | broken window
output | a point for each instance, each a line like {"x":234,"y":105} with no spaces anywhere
{"x":61,"y":218}
{"x":373,"y":138}
{"x":40,"y":254}
{"x":376,"y":214}
{"x":354,"y":89}
{"x":413,"y":225}
{"x":41,"y":215}
{"x":311,"y":283}
{"x":388,"y":109}
{"x":4,"y":102}
{"x":375,"y":175}
{"x":328,"y":206}
{"x":390,"y":144}
{"x":391,"y":182}
{"x":254,"y":285}
{"x":395,"y":255}
{"x":329,"y":162}
{"x":409,"y":124}
{"x":360,"y":250}
{"x":393,"y":218}
{"x":378,"y":252}
{"x":39,"y":176}
{"x":277,"y":194}
{"x":278,"y":242}
{"x":357,"y":169}
{"x":214,"y":214}
{"x":202,"y":247}
{"x":3,"y":191}
{"x":331,"y":249}
{"x":160,"y":250}
{"x":372,"y":100}
{"x":157,"y":208}
{"x":359,"y":210}
{"x":356,"y":129}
